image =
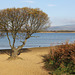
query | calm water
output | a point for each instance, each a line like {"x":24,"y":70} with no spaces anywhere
{"x":43,"y":40}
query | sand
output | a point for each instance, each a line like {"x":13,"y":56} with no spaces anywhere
{"x":30,"y":64}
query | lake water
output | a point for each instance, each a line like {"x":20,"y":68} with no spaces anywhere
{"x":42,"y":40}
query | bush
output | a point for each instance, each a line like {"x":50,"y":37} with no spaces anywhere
{"x":61,"y":59}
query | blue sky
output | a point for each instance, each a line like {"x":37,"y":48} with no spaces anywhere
{"x":61,"y":12}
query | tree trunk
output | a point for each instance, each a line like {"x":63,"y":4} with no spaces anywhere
{"x":14,"y":53}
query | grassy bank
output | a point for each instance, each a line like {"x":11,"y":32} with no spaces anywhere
{"x":61,"y":60}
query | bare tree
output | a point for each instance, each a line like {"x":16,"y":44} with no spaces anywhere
{"x":21,"y":23}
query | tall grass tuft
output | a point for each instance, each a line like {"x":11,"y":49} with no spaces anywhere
{"x":61,"y":59}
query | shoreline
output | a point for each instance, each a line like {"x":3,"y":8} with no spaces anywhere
{"x":58,"y":32}
{"x":23,"y":48}
{"x":52,"y":31}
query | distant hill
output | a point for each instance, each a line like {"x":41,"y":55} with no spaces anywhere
{"x":65,"y":27}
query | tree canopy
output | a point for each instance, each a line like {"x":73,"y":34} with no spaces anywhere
{"x":27,"y":20}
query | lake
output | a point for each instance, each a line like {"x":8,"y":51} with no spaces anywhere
{"x":41,"y":40}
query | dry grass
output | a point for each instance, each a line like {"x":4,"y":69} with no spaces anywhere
{"x":61,"y":59}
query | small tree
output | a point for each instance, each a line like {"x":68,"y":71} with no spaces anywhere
{"x":22,"y":23}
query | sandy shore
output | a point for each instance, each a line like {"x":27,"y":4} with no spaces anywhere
{"x":31,"y":63}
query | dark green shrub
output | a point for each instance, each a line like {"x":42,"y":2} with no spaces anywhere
{"x":61,"y":59}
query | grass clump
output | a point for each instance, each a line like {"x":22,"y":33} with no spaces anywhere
{"x":61,"y":60}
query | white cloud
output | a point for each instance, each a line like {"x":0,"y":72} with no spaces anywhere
{"x":51,"y":5}
{"x":28,"y":1}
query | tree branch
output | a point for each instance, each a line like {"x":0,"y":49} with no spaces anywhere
{"x":9,"y":39}
{"x":23,"y":43}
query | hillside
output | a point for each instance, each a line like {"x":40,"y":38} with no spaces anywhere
{"x":65,"y":27}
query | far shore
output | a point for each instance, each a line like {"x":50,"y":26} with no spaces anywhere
{"x":57,"y":32}
{"x":48,"y":31}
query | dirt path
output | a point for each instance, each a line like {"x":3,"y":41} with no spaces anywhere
{"x":30,"y":65}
